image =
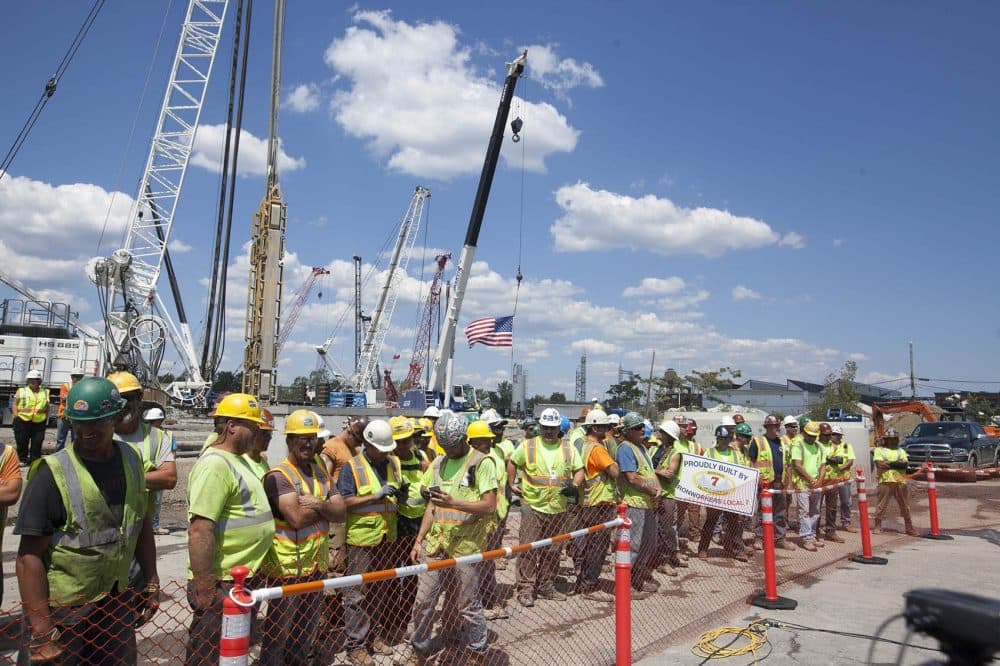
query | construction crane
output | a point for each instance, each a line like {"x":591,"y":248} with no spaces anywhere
{"x":72,"y":319}
{"x":260,"y":360}
{"x":440,"y":383}
{"x":301,"y":296}
{"x":365,"y":372}
{"x":137,"y":323}
{"x":422,"y":344}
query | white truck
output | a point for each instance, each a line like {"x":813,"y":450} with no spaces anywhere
{"x":43,"y":336}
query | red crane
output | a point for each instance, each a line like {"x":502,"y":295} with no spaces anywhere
{"x":422,"y":343}
{"x":301,"y":296}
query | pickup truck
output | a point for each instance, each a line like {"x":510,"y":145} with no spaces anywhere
{"x":952,"y":445}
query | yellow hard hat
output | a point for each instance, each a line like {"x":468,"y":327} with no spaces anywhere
{"x":427,"y":425}
{"x":125,"y":381}
{"x":478,"y":429}
{"x":811,"y":428}
{"x":301,"y":422}
{"x":238,"y":406}
{"x":654,"y":440}
{"x":401,"y":426}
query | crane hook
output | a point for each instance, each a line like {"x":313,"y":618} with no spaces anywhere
{"x":515,"y":126}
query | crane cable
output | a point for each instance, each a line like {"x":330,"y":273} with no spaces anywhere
{"x":50,"y":88}
{"x":520,"y":223}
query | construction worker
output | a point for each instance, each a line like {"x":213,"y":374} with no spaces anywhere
{"x":336,"y":454}
{"x":640,"y":491}
{"x":530,"y":428}
{"x":743,"y":436}
{"x":808,"y":467}
{"x":10,"y":490}
{"x":577,"y":433}
{"x":840,"y":459}
{"x":369,"y":485}
{"x":303,"y":499}
{"x":154,"y":417}
{"x":62,"y":424}
{"x":432,"y":413}
{"x":482,"y":438}
{"x":157,"y":447}
{"x":256,"y":453}
{"x":830,"y":497}
{"x":667,"y":465}
{"x":732,"y":529}
{"x":770,"y":457}
{"x":83,"y":519}
{"x":597,"y":505}
{"x":31,"y":410}
{"x":551,"y":472}
{"x":462,"y":486}
{"x":229,"y":523}
{"x":614,"y":434}
{"x":791,"y":426}
{"x":411,"y":503}
{"x":690,"y":510}
{"x":890,"y":466}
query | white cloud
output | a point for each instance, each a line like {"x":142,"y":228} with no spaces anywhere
{"x":837,"y":242}
{"x":178,"y":246}
{"x":655,"y":287}
{"x":417,"y":100}
{"x":883,"y":378}
{"x":598,"y":219}
{"x":303,"y":98}
{"x":858,"y":357}
{"x":210,"y":139}
{"x":592,"y":346}
{"x":793,"y":240}
{"x":741,"y":293}
{"x":560,"y":74}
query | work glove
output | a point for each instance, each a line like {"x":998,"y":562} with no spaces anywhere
{"x":834,"y":460}
{"x":570,"y":492}
{"x":404,"y":490}
{"x":385,"y":491}
{"x":899,"y":464}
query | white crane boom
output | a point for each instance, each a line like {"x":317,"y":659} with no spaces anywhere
{"x":372,"y":346}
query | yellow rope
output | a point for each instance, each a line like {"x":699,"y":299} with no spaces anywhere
{"x":755,"y":633}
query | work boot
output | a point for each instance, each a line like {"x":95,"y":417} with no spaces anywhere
{"x":496,"y":613}
{"x":819,"y":542}
{"x":809,"y":545}
{"x":702,"y":554}
{"x":360,"y":657}
{"x":876,"y":527}
{"x":650,"y":585}
{"x":740,"y":556}
{"x":849,"y":528}
{"x":638,"y":595}
{"x":379,"y":646}
{"x":525,"y":600}
{"x":599,"y":595}
{"x":551,"y":594}
{"x":783,"y":545}
{"x":911,"y":531}
{"x":666,"y":570}
{"x":758,"y":544}
{"x":677,"y":562}
{"x":411,"y":657}
{"x":833,"y":536}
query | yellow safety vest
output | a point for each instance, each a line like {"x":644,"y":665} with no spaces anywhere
{"x":32,"y":407}
{"x":90,"y":554}
{"x":599,"y":488}
{"x":630,"y":494}
{"x":736,"y":456}
{"x":765,"y":462}
{"x":884,"y":454}
{"x":369,"y":524}
{"x":845,"y":451}
{"x":413,"y":505}
{"x":669,"y":486}
{"x":453,"y":532}
{"x":153,"y":439}
{"x":300,"y":552}
{"x":541,"y":484}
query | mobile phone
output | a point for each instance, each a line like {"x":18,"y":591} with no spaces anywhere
{"x":434,"y":489}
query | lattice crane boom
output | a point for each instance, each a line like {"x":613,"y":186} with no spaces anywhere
{"x":421,"y":346}
{"x":301,"y":296}
{"x":382,"y":316}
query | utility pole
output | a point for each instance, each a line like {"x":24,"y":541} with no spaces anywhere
{"x":913,"y":379}
{"x":649,"y":382}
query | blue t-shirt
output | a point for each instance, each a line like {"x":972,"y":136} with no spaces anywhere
{"x":626,"y":460}
{"x":345,"y":482}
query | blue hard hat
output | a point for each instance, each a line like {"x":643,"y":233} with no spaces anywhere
{"x":565,"y":424}
{"x":649,"y":432}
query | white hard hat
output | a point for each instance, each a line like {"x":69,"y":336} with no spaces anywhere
{"x":324,"y":432}
{"x":153,"y":414}
{"x":728,"y":421}
{"x":492,"y":417}
{"x":379,"y":434}
{"x":33,"y":374}
{"x":671,"y":428}
{"x":77,"y":372}
{"x":835,"y":429}
{"x":550,"y":417}
{"x":597,"y":417}
{"x":432,"y":412}
{"x":614,"y":419}
{"x":789,"y":420}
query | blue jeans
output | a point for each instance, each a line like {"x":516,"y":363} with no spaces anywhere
{"x":470,"y":608}
{"x":62,"y":429}
{"x":644,"y":540}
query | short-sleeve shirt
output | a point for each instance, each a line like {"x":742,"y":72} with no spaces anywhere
{"x":549,"y":456}
{"x":811,"y":456}
{"x":166,"y":453}
{"x":598,"y":460}
{"x":626,"y":460}
{"x":276,"y":485}
{"x":884,"y":454}
{"x":345,"y":482}
{"x":339,"y":451}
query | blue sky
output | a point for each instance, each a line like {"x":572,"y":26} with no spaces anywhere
{"x":778,"y":188}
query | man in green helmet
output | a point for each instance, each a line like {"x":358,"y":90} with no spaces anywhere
{"x":83,"y":519}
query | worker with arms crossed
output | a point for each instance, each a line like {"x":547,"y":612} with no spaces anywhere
{"x":890,"y":465}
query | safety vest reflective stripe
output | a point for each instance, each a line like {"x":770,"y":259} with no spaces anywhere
{"x":373,"y":509}
{"x":250,"y":516}
{"x":454,"y":516}
{"x":320,"y":477}
{"x":554,"y":479}
{"x":32,"y":405}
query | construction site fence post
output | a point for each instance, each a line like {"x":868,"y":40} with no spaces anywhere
{"x":935,"y":532}
{"x":623,"y":591}
{"x":237,"y":606}
{"x":769,"y":598}
{"x":866,"y":556}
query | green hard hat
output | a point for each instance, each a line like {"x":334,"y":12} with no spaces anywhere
{"x":744,"y":429}
{"x":803,"y":420}
{"x":92,"y":399}
{"x":632,"y":419}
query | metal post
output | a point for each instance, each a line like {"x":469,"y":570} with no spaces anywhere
{"x":866,"y":536}
{"x":935,"y":532}
{"x":769,"y":598}
{"x":623,"y":592}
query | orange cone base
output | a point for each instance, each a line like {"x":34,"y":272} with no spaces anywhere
{"x":780,"y":603}
{"x":861,"y":559}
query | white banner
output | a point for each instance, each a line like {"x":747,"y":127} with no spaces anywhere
{"x":718,"y":485}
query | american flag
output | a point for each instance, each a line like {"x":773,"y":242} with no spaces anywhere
{"x":491,"y":331}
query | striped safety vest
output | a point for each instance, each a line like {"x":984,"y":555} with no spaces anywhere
{"x":369,"y":524}
{"x":599,"y":488}
{"x":32,"y":407}
{"x":455,"y":532}
{"x":297,"y":552}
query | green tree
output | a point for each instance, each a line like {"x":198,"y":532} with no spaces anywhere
{"x":558,"y":398}
{"x":838,"y":393}
{"x":625,"y":394}
{"x":710,"y":383}
{"x":979,"y":408}
{"x":505,"y":396}
{"x":166,"y":378}
{"x":228,"y":381}
{"x":532,"y":401}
